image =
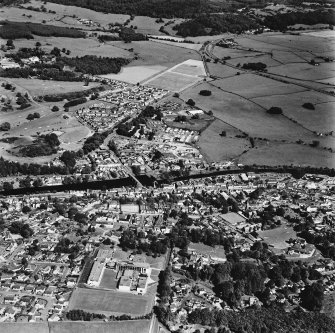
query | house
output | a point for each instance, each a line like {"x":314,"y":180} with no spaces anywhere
{"x":40,"y":290}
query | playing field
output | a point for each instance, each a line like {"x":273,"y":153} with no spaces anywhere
{"x":277,"y":237}
{"x":215,"y":252}
{"x":110,"y":302}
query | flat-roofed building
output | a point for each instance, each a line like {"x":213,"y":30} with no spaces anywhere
{"x":142,"y":285}
{"x":141,"y":267}
{"x":96,"y":273}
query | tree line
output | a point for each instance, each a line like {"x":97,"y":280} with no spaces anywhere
{"x":215,"y":24}
{"x":152,"y":8}
{"x":16,"y":30}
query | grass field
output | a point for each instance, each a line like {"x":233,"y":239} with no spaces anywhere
{"x":217,"y":148}
{"x":322,"y":119}
{"x":152,"y":53}
{"x":287,"y":154}
{"x":179,"y":77}
{"x":277,"y":237}
{"x":134,"y":74}
{"x":108,"y":280}
{"x":215,"y":252}
{"x":41,"y":87}
{"x":172,"y":81}
{"x":110,"y":302}
{"x":101,"y":327}
{"x":77,"y":46}
{"x":251,"y":86}
{"x":245,"y":115}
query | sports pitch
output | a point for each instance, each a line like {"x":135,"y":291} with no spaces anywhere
{"x":110,"y":302}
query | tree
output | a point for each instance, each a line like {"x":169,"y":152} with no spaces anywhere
{"x":68,"y":158}
{"x":5,"y":126}
{"x":10,"y":43}
{"x":205,"y":93}
{"x":190,"y":102}
{"x":312,"y":297}
{"x":7,"y":186}
{"x":275,"y":110}
{"x":38,"y":182}
{"x":55,"y":108}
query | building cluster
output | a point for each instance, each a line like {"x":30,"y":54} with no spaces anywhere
{"x":117,"y":104}
{"x":44,"y":239}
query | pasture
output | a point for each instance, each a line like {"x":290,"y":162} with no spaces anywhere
{"x":153,"y":53}
{"x":251,"y":86}
{"x":274,"y":153}
{"x":245,"y":115}
{"x":110,"y":302}
{"x":172,"y":81}
{"x":218,"y":148}
{"x":179,"y":77}
{"x":78,"y":46}
{"x":134,"y":74}
{"x":42,"y":87}
{"x":322,"y":119}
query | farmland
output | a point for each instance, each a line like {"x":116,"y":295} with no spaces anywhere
{"x":217,"y":148}
{"x":110,"y":302}
{"x":180,"y":76}
{"x":41,"y":87}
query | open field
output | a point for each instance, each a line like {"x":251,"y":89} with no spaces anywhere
{"x":245,"y":115}
{"x":322,"y":119}
{"x":78,"y":46}
{"x":251,"y":86}
{"x":179,"y":44}
{"x":101,"y":327}
{"x":172,"y":81}
{"x":78,"y":326}
{"x":98,"y":17}
{"x":153,"y":53}
{"x":277,"y":237}
{"x":134,"y":74}
{"x":305,"y":71}
{"x":110,"y":302}
{"x":287,"y":154}
{"x":217,"y":148}
{"x":41,"y":87}
{"x":180,"y":76}
{"x":216,"y":252}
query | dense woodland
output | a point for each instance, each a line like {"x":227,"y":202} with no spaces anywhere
{"x":282,"y":21}
{"x":15,"y":30}
{"x":95,"y":65}
{"x":152,"y":8}
{"x":215,"y":24}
